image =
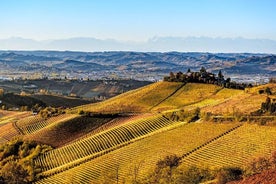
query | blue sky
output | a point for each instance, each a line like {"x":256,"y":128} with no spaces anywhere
{"x":137,"y":20}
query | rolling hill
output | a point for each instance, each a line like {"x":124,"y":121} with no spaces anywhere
{"x":250,"y":67}
{"x":162,"y":96}
{"x":120,"y":140}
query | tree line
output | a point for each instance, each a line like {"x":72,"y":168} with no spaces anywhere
{"x":202,"y":76}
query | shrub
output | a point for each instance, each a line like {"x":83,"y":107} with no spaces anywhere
{"x":164,"y":169}
{"x":206,"y":116}
{"x":268,"y":91}
{"x":187,"y":116}
{"x":227,"y":174}
{"x":258,"y":165}
{"x":12,"y":172}
{"x":193,"y":175}
{"x":81,"y":112}
{"x":169,"y":161}
{"x":167,"y":171}
{"x":16,"y":161}
{"x":261,"y":91}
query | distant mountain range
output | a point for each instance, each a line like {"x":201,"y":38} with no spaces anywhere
{"x":133,"y":65}
{"x":156,"y":44}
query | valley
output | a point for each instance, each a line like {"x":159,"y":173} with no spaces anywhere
{"x":142,"y":66}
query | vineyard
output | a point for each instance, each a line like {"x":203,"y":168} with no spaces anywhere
{"x":144,"y":153}
{"x":211,"y":98}
{"x":67,"y":128}
{"x":113,"y":123}
{"x":222,"y":96}
{"x":188,"y":94}
{"x":86,"y":149}
{"x":139,"y":100}
{"x":8,"y":131}
{"x":8,"y":128}
{"x":32,"y":124}
{"x":235,"y":149}
{"x":120,"y":140}
{"x":12,"y":116}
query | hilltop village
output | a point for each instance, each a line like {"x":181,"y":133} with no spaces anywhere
{"x":205,"y":77}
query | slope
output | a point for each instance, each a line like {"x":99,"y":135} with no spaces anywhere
{"x":265,"y":177}
{"x":235,"y":149}
{"x":66,"y":129}
{"x":189,"y":94}
{"x":141,"y":155}
{"x":158,"y":96}
{"x":244,"y":102}
{"x":96,"y":145}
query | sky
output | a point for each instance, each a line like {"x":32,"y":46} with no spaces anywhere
{"x":137,"y":20}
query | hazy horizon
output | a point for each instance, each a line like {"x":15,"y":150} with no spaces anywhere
{"x":155,"y":44}
{"x":125,"y":24}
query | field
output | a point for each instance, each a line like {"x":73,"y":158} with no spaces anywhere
{"x":145,"y":153}
{"x":140,"y":100}
{"x":8,"y":116}
{"x":187,"y":95}
{"x":207,"y":146}
{"x":120,"y":140}
{"x":101,"y":143}
{"x":163,"y":96}
{"x":235,"y":149}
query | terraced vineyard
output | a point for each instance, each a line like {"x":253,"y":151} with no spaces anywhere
{"x":236,"y":148}
{"x":12,"y":116}
{"x":139,"y":100}
{"x":34,"y":123}
{"x":113,"y":123}
{"x":67,"y":128}
{"x":222,"y":97}
{"x":188,"y":94}
{"x":8,"y":131}
{"x":146,"y":152}
{"x":211,"y":98}
{"x":122,"y":139}
{"x":8,"y":128}
{"x":84,"y":150}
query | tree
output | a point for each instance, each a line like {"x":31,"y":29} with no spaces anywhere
{"x":164,"y":169}
{"x":12,"y":172}
{"x":189,"y":70}
{"x":220,"y":76}
{"x":172,"y":76}
{"x":1,"y":92}
{"x":265,"y":106}
{"x":178,"y":75}
{"x":202,"y":70}
{"x":268,"y":91}
{"x":227,"y":174}
{"x":192,"y":175}
{"x":16,"y":161}
{"x":135,"y":173}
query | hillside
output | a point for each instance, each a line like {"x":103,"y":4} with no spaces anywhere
{"x":87,"y":89}
{"x":13,"y":101}
{"x":121,"y":139}
{"x":266,"y":177}
{"x":139,"y":100}
{"x":62,"y":132}
{"x":59,"y":101}
{"x":162,"y":96}
{"x":144,"y":153}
